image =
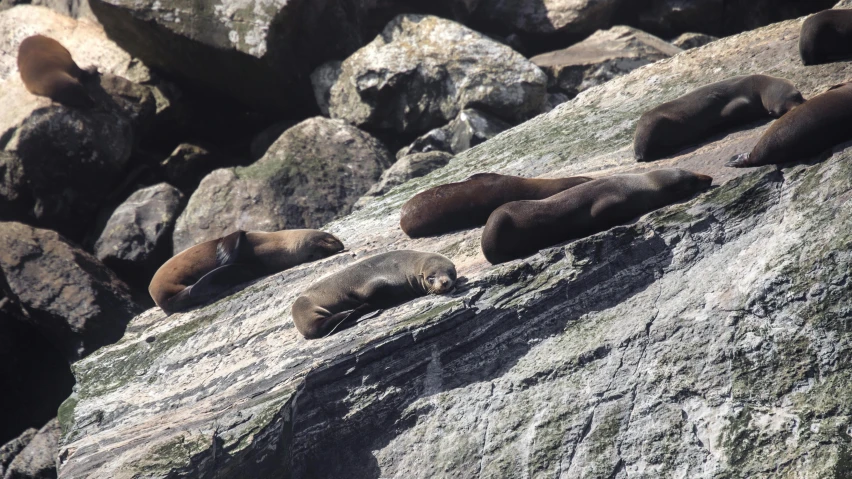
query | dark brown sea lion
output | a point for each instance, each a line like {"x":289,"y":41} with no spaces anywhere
{"x":814,"y":127}
{"x":47,"y":69}
{"x":205,"y":270}
{"x":378,"y":282}
{"x":468,"y":203}
{"x":693,"y":117}
{"x":826,"y":36}
{"x":521,"y":228}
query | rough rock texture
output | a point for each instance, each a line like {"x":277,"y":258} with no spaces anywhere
{"x":189,"y":164}
{"x":407,"y":80}
{"x":467,"y":130}
{"x":314,"y":172}
{"x":34,"y":378}
{"x":576,"y":17}
{"x":408,"y":167}
{"x":137,"y":238}
{"x":600,"y":58}
{"x":693,"y":40}
{"x":38,"y":459}
{"x":262,"y":141}
{"x":73,"y":299}
{"x":709,"y":339}
{"x":843,"y":4}
{"x":11,"y":449}
{"x":322,"y":79}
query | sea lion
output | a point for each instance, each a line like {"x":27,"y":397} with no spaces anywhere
{"x":814,"y":127}
{"x":521,"y":228}
{"x":468,"y":203}
{"x":200,"y":272}
{"x":378,"y":282}
{"x":47,"y":69}
{"x":692,"y":117}
{"x":826,"y":36}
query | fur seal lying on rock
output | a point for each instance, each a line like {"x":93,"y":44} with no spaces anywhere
{"x":814,"y":127}
{"x":467,"y":204}
{"x":826,"y":36}
{"x":691,"y":118}
{"x":521,"y":228}
{"x":47,"y":69}
{"x":379,"y":282}
{"x":199,"y":273}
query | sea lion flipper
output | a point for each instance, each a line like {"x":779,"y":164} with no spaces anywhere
{"x":228,"y":248}
{"x":739,"y":161}
{"x":834,"y":87}
{"x":220,"y":279}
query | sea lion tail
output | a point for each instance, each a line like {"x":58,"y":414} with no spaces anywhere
{"x":739,"y":161}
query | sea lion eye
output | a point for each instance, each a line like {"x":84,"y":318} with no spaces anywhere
{"x":430,"y":278}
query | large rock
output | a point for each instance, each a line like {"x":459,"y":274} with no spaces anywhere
{"x":709,"y":339}
{"x":409,"y":81}
{"x":410,"y":166}
{"x":189,"y":164}
{"x":34,"y":378}
{"x":38,"y":459}
{"x":467,"y":130}
{"x":574,"y":17}
{"x":692,"y":40}
{"x":313,"y":173}
{"x":11,"y":449}
{"x":600,"y":58}
{"x":71,"y":159}
{"x":137,"y":238}
{"x":73,"y":299}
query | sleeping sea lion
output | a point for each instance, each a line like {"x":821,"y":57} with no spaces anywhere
{"x":810,"y":129}
{"x":468,"y":203}
{"x":826,"y":36}
{"x":379,"y":282}
{"x":205,"y":270}
{"x":693,"y":117}
{"x":47,"y":69}
{"x":521,"y":228}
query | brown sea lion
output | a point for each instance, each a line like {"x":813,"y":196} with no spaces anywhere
{"x":521,"y":228}
{"x":378,"y":282}
{"x":693,"y":117}
{"x":47,"y":69}
{"x":826,"y":36}
{"x":468,"y":203}
{"x":814,"y":127}
{"x":205,"y":270}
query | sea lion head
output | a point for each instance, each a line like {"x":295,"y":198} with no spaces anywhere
{"x":319,"y":244}
{"x":781,"y":96}
{"x":437,"y":274}
{"x":679,"y":184}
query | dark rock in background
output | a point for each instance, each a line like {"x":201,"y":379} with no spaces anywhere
{"x":470,"y":128}
{"x":137,"y":238}
{"x":692,"y":40}
{"x":313,"y":173}
{"x":189,"y":164}
{"x":263,"y":140}
{"x":600,"y":58}
{"x":38,"y":459}
{"x":408,"y":81}
{"x":66,"y":293}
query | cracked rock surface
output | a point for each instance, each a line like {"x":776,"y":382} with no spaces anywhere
{"x":709,"y":339}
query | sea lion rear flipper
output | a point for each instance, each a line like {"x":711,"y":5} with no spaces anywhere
{"x":739,"y":161}
{"x":220,"y":279}
{"x":341,"y":317}
{"x":228,"y":248}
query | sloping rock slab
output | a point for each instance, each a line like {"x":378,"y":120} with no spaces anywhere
{"x":708,"y":339}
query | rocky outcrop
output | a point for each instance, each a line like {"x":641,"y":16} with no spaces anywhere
{"x":707,"y":339}
{"x":11,"y":449}
{"x":137,"y":238}
{"x":467,"y":130}
{"x":408,"y":167}
{"x":693,"y":40}
{"x":34,"y":378}
{"x":314,"y":172}
{"x":37,"y":459}
{"x":408,"y":81}
{"x":600,"y":58}
{"x":66,"y":293}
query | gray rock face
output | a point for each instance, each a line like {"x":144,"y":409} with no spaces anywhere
{"x":407,"y":80}
{"x":693,"y":40}
{"x":37,"y":460}
{"x":322,"y":79}
{"x":73,"y":299}
{"x":11,"y":449}
{"x":408,"y":167}
{"x":708,"y":339}
{"x":137,"y":237}
{"x":314,"y":172}
{"x":467,"y":130}
{"x":577,"y":17}
{"x":600,"y":58}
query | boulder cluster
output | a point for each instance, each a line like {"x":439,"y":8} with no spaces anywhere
{"x":283,"y":116}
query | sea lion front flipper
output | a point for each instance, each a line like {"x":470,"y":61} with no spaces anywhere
{"x":220,"y":279}
{"x":228,"y":249}
{"x":739,"y":161}
{"x":341,"y":317}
